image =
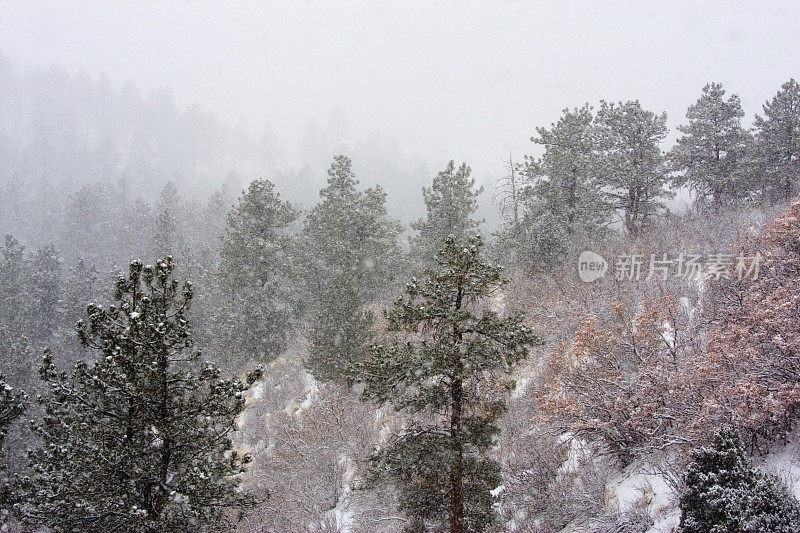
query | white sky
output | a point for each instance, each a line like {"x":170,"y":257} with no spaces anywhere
{"x":461,"y":80}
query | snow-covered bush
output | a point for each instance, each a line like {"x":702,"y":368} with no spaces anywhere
{"x":726,"y":493}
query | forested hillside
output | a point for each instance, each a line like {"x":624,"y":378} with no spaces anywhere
{"x":230,"y":360}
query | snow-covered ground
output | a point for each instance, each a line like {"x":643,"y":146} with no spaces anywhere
{"x":639,"y":487}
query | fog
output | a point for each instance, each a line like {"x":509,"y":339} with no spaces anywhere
{"x":424,"y":82}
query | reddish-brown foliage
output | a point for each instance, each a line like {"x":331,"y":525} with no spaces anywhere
{"x":616,"y":383}
{"x":751,"y":371}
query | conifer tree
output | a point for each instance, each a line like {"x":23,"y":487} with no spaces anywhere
{"x":562,"y":196}
{"x":633,"y":171}
{"x":449,"y":370}
{"x":30,"y":306}
{"x":348,"y":234}
{"x":44,"y":288}
{"x":351,"y":247}
{"x":82,"y":285}
{"x":778,"y":142}
{"x":168,"y":222}
{"x":12,"y":405}
{"x":13,"y":326}
{"x":341,"y":332}
{"x":726,"y":493}
{"x":711,"y":151}
{"x":255,"y":273}
{"x":450,"y":203}
{"x":139,"y":439}
{"x":564,"y":181}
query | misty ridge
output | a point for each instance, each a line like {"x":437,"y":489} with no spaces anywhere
{"x":65,"y":131}
{"x":216,"y":325}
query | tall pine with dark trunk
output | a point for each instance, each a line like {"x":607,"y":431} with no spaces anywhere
{"x":140,"y":439}
{"x":633,"y":171}
{"x":448,"y":369}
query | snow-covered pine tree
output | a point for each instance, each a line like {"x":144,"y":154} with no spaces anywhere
{"x":778,"y":142}
{"x":725,"y":493}
{"x":562,"y":196}
{"x":12,"y":405}
{"x":255,"y":274}
{"x":709,"y":155}
{"x":564,"y":181}
{"x":139,"y":439}
{"x":341,"y":332}
{"x":351,"y":250}
{"x":450,"y":372}
{"x":30,"y":307}
{"x":633,"y":169}
{"x":44,"y":292}
{"x":450,"y":203}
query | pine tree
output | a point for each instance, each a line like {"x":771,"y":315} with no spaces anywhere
{"x":12,"y":405}
{"x":255,"y":273}
{"x":450,"y":202}
{"x":44,"y":291}
{"x":352,"y":249}
{"x":711,"y":151}
{"x":12,"y":286}
{"x":140,"y":439}
{"x":520,"y":233}
{"x":562,"y":196}
{"x":725,"y":493}
{"x":541,"y":243}
{"x":12,"y":301}
{"x":100,"y":216}
{"x":81,"y":285}
{"x":30,"y":306}
{"x":633,"y":167}
{"x":778,"y":142}
{"x":450,"y":373}
{"x":349,"y":233}
{"x":169,"y":214}
{"x":341,"y":332}
{"x":564,"y":181}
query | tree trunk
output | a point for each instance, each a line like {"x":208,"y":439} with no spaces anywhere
{"x":457,"y":465}
{"x":166,"y":444}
